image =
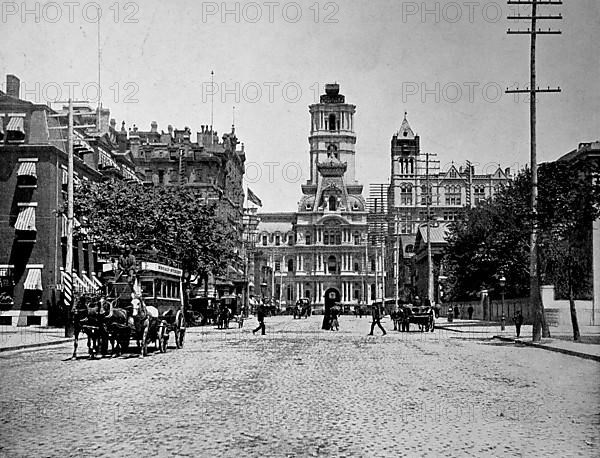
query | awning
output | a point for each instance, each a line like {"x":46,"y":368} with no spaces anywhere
{"x":26,"y":219}
{"x":27,"y":169}
{"x":89,"y":282}
{"x":16,"y":125}
{"x":97,"y":282}
{"x":81,"y":286}
{"x":33,"y":280}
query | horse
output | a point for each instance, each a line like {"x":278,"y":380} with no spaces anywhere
{"x":116,"y":328}
{"x":144,"y":322}
{"x":175,"y":322}
{"x":87,"y":314}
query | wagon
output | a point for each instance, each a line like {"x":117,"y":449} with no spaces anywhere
{"x":421,"y":315}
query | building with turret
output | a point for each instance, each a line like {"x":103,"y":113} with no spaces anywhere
{"x":416,"y":178}
{"x":321,"y":249}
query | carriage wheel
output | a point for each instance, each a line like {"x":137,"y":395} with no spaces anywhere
{"x":162,"y":339}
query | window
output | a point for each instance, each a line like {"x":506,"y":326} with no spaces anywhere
{"x":356,"y":267}
{"x":453,"y":173}
{"x":373,"y":266}
{"x":406,"y":225}
{"x":277,"y":266}
{"x":373,"y":292}
{"x":453,"y":195}
{"x":308,"y":238}
{"x":406,"y":197}
{"x":264,"y":240}
{"x":289,"y":293}
{"x":478,"y":194}
{"x":451,"y":216}
{"x":425,"y":196}
{"x":290,"y":239}
{"x":290,"y":265}
{"x":332,"y":203}
{"x":332,"y":264}
{"x":332,"y":122}
{"x":356,"y":238}
{"x":277,"y":240}
{"x":409,"y":248}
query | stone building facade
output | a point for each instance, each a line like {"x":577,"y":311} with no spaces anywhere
{"x":213,"y":168}
{"x":415,"y":178}
{"x":322,"y":248}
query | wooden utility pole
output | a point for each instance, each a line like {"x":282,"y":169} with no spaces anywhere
{"x":429,"y":197}
{"x":534,"y":287}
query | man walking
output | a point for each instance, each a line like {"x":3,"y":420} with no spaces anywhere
{"x":376,"y":314}
{"x":518,"y":319}
{"x":260,"y":315}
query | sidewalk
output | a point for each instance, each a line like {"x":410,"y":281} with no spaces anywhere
{"x":561,"y":340}
{"x":17,"y":338}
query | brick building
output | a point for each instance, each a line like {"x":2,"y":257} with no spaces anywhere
{"x":33,"y":190}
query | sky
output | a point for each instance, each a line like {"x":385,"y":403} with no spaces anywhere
{"x":444,"y":63}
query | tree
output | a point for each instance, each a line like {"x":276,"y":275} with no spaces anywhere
{"x":171,"y":221}
{"x":493,"y":238}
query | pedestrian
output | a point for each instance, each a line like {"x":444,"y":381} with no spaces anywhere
{"x":360,"y":311}
{"x":518,"y":319}
{"x":376,"y":314}
{"x":335,"y":325}
{"x":260,"y":316}
{"x":241,"y":320}
{"x":470,"y":312}
{"x":456,"y":312}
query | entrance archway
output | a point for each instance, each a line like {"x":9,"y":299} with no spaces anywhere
{"x":332,"y":297}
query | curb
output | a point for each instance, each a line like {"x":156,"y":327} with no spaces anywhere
{"x":453,"y":329}
{"x":554,"y":349}
{"x":36,"y":345}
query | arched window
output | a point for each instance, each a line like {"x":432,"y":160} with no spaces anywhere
{"x":332,"y":264}
{"x":332,"y":203}
{"x":406,"y":194}
{"x":332,"y":122}
{"x":307,"y":238}
{"x":290,"y":265}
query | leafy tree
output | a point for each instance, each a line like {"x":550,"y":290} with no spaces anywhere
{"x":493,"y":238}
{"x":170,"y":221}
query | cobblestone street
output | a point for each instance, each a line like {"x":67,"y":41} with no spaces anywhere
{"x":300,"y":391}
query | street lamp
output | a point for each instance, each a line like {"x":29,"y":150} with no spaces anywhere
{"x":502,"y":284}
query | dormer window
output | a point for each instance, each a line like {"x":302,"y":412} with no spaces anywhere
{"x":332,"y":203}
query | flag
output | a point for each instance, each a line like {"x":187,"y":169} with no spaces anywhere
{"x":254,"y":198}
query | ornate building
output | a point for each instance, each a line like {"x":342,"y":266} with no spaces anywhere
{"x":322,"y":248}
{"x":416,"y":177}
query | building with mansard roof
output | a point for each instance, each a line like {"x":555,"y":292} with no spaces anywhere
{"x":320,"y":251}
{"x":33,"y":190}
{"x":417,"y":177}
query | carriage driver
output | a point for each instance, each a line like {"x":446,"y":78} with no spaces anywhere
{"x":127,"y":265}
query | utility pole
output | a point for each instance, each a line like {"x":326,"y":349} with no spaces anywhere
{"x":534,"y":287}
{"x":429,"y":257}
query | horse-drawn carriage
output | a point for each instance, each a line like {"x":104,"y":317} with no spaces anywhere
{"x":421,"y":315}
{"x":124,"y":310}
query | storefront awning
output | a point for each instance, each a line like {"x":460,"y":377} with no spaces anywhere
{"x":81,"y":286}
{"x":97,"y":282}
{"x":27,"y":169}
{"x":91,"y":285}
{"x":33,"y":280}
{"x":26,"y":219}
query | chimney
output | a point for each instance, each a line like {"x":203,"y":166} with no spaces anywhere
{"x":154,"y":127}
{"x":507,"y":171}
{"x":13,"y":86}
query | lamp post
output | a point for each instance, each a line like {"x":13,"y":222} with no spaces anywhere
{"x":502,"y":283}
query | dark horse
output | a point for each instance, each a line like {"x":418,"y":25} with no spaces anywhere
{"x":116,"y":329}
{"x":88,"y":314}
{"x":171,"y":321}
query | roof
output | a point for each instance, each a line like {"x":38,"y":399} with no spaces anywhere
{"x":405,"y":130}
{"x":438,"y":233}
{"x":274,"y":226}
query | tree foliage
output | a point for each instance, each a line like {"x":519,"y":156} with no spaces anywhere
{"x":170,"y":221}
{"x":494,"y":237}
